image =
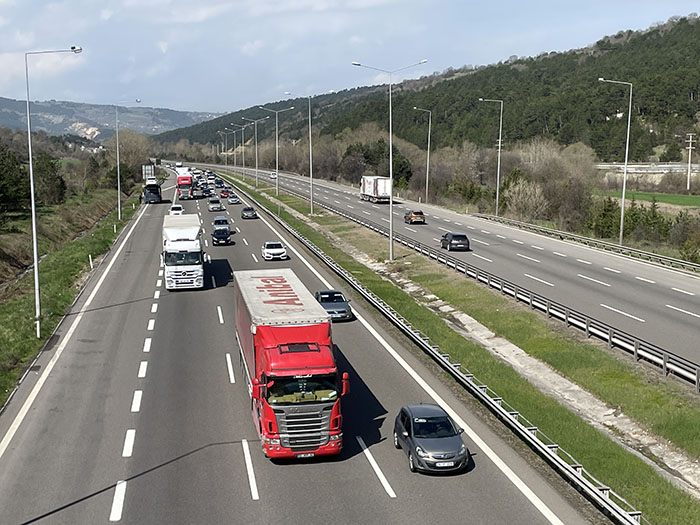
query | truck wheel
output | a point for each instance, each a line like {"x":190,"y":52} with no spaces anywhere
{"x":411,"y":464}
{"x":396,"y":441}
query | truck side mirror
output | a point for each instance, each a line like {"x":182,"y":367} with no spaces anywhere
{"x":346,"y":384}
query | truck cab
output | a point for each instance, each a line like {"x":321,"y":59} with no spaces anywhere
{"x":183,"y":258}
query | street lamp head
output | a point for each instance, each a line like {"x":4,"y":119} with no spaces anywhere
{"x":481,"y":99}
{"x":423,"y":61}
{"x":601,"y":79}
{"x":287,"y":92}
{"x":414,"y":107}
{"x":76,"y":49}
{"x":138,"y":101}
{"x":292,"y":107}
{"x":260,"y":107}
{"x":356,"y":64}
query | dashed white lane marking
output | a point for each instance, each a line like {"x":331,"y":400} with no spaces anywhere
{"x":471,"y":227}
{"x":249,"y":467}
{"x":159,"y":283}
{"x":481,"y":242}
{"x":436,"y":240}
{"x":375,"y":466}
{"x":410,"y":229}
{"x":129,"y":443}
{"x":337,"y":202}
{"x":229,"y":365}
{"x":143,"y":368}
{"x":206,"y":243}
{"x":348,"y":198}
{"x":560,"y":254}
{"x":584,"y":262}
{"x":485,"y":231}
{"x":156,"y":294}
{"x":526,"y":257}
{"x":238,"y":229}
{"x":592,"y":280}
{"x":613,"y":270}
{"x":154,"y":308}
{"x":160,"y":273}
{"x":213,"y":281}
{"x":622,"y":313}
{"x":516,"y":241}
{"x":645,"y":280}
{"x":245,"y":241}
{"x":537,"y":279}
{"x":147,"y":344}
{"x":136,"y":401}
{"x":151,"y":325}
{"x":682,"y":291}
{"x":500,"y":236}
{"x":385,"y":219}
{"x":254,"y":257}
{"x":366,"y":212}
{"x":682,"y":311}
{"x":375,"y":206}
{"x":228,"y":212}
{"x":351,"y":207}
{"x":397,"y":214}
{"x":446,"y":220}
{"x":482,"y":257}
{"x":458,"y":223}
{"x":118,"y":501}
{"x":536,"y":247}
{"x":443,"y":229}
{"x":221,"y":315}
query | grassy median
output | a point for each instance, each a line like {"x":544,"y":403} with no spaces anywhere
{"x":666,"y":408}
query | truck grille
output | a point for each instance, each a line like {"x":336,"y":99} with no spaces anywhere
{"x":303,"y":428}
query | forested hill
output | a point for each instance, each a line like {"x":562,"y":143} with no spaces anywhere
{"x":557,"y":95}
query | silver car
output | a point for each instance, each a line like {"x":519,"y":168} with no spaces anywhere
{"x":335,"y":303}
{"x":430,"y":439}
{"x":215,"y":204}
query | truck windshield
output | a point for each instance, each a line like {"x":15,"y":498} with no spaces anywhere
{"x":183,"y":258}
{"x":294,"y":390}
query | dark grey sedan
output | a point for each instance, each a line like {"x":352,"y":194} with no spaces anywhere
{"x":248,"y":213}
{"x":335,"y":303}
{"x":430,"y":439}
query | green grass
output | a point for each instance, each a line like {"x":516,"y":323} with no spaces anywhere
{"x":67,"y":160}
{"x":668,"y":198}
{"x":664,"y":407}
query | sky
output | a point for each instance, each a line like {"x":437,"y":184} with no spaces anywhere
{"x":221,"y":56}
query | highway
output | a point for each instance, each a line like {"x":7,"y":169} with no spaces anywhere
{"x":656,"y":304}
{"x":138,"y":413}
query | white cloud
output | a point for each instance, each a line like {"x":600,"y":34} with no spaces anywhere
{"x":163,"y":46}
{"x":106,"y":14}
{"x":252,"y":48}
{"x":356,"y":40}
{"x":21,"y":40}
{"x":3,"y":21}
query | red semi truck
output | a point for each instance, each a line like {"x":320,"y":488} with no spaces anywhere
{"x":184,"y":187}
{"x":284,"y":336}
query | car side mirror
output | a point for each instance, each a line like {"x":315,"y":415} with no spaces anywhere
{"x":404,"y":434}
{"x":346,"y":384}
{"x":460,"y":431}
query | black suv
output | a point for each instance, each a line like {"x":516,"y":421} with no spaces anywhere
{"x":455,"y":241}
{"x":413,"y":217}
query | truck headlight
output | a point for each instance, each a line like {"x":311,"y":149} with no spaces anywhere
{"x":335,"y":437}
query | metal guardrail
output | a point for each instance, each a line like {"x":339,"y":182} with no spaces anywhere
{"x":611,"y":503}
{"x":655,"y":258}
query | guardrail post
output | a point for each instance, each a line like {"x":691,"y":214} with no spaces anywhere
{"x":514,"y":415}
{"x":547,"y":310}
{"x":636,"y":515}
{"x":697,"y":379}
{"x":665,"y":364}
{"x":532,"y":430}
{"x":636,"y":349}
{"x":605,"y":491}
{"x":530,"y":301}
{"x":566,"y":316}
{"x":611,"y":332}
{"x":588,"y":327}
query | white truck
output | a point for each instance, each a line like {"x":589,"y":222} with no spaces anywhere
{"x":183,"y":258}
{"x":375,"y":189}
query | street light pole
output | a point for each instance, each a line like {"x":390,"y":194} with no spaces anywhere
{"x":391,"y":152}
{"x":627,"y":150}
{"x":311,"y":161}
{"x":427,"y":162}
{"x":500,"y":143}
{"x":277,"y":144}
{"x":35,"y":246}
{"x":255,"y":127}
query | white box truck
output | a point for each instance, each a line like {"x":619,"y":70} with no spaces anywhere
{"x":183,"y":258}
{"x":375,"y":189}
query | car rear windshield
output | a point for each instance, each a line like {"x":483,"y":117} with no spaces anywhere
{"x":417,"y":212}
{"x":433,"y":427}
{"x":459,"y":237}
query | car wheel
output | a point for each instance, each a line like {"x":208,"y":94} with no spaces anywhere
{"x":411,"y":463}
{"x":396,"y":441}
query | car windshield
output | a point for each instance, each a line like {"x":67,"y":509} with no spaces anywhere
{"x":183,"y":258}
{"x":213,"y":201}
{"x":307,"y":389}
{"x":273,"y":245}
{"x":332,"y":298}
{"x":176,"y":208}
{"x":460,"y":237}
{"x":433,"y":427}
{"x":221,"y":222}
{"x":220,"y":233}
{"x":248,"y":210}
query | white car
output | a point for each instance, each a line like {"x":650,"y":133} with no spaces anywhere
{"x":273,"y":175}
{"x":215,"y":204}
{"x":274,"y":250}
{"x":176,"y":209}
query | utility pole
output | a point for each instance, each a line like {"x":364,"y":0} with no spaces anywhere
{"x":690,"y":149}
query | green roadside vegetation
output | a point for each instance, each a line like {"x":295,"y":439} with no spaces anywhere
{"x":667,"y":198}
{"x":668,"y":409}
{"x":60,"y":272}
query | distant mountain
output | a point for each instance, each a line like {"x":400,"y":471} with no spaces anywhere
{"x":94,"y":121}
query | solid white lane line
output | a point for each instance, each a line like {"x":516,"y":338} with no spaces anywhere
{"x":480,"y":242}
{"x":645,"y":280}
{"x":366,"y":212}
{"x":559,"y":254}
{"x":129,"y":443}
{"x":156,"y":294}
{"x":254,"y":257}
{"x":147,"y":345}
{"x":245,"y":241}
{"x":410,"y":229}
{"x":537,"y":279}
{"x":443,"y":229}
{"x":518,"y":242}
{"x":159,"y":283}
{"x":143,"y":367}
{"x":213,"y":281}
{"x":536,"y":247}
{"x":251,"y":474}
{"x":136,"y":401}
{"x":482,"y":257}
{"x":622,"y":313}
{"x":154,"y":308}
{"x":229,"y":365}
{"x":584,"y":262}
{"x":682,"y":291}
{"x":221,"y":315}
{"x":682,"y":311}
{"x":592,"y":279}
{"x":475,"y":438}
{"x":526,"y":257}
{"x":151,"y":325}
{"x":160,"y":273}
{"x":500,"y":236}
{"x":118,"y":501}
{"x":375,"y":466}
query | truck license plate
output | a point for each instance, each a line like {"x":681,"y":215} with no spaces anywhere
{"x":305,"y":455}
{"x":445,"y":464}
